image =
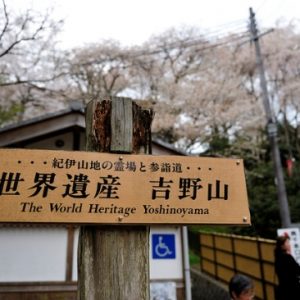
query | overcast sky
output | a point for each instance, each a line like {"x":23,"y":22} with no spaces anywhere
{"x":133,"y":21}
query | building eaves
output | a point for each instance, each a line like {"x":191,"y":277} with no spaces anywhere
{"x":72,"y":108}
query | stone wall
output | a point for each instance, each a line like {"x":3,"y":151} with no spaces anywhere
{"x":206,"y":288}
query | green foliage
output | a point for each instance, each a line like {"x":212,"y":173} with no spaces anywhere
{"x":263,"y":201}
{"x":218,"y":142}
{"x":194,"y":258}
{"x":260,"y":177}
{"x":8,"y":114}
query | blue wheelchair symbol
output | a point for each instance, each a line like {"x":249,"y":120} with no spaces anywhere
{"x":163,"y":246}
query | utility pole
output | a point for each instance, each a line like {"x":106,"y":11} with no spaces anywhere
{"x":271,"y":129}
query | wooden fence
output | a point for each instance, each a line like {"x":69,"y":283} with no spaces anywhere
{"x":223,"y":255}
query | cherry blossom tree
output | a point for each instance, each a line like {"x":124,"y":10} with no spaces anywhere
{"x":29,"y":61}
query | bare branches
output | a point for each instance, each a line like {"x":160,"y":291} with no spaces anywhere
{"x":30,"y":67}
{"x":5,"y":25}
{"x":33,"y":82}
{"x":99,"y":69}
{"x":13,"y":34}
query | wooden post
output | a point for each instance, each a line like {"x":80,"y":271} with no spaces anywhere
{"x":113,"y":261}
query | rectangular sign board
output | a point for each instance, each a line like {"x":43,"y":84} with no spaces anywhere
{"x":49,"y":186}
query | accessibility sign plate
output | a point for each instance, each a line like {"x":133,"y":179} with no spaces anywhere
{"x":166,"y":253}
{"x":163,"y":246}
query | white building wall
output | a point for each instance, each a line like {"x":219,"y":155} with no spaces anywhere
{"x":32,"y":254}
{"x":39,"y":254}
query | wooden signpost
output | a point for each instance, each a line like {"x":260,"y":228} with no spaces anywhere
{"x":48,"y":186}
{"x":113,"y":262}
{"x":122,"y":185}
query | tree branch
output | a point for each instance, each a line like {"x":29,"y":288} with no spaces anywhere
{"x":6,"y":20}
